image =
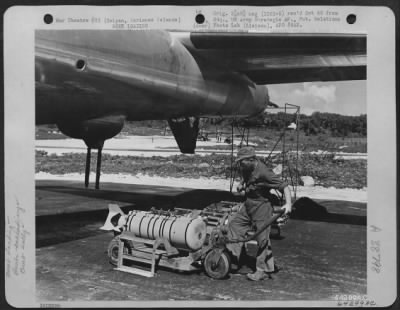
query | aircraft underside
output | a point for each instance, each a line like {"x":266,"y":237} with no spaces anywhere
{"x":90,"y":82}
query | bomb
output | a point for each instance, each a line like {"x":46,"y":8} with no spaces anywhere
{"x":186,"y":231}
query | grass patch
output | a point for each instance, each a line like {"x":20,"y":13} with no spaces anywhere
{"x":325,"y":170}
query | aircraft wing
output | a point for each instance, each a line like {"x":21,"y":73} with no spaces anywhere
{"x":275,"y":58}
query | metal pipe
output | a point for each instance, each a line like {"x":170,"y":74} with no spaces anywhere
{"x":293,"y":106}
{"x":283,"y":144}
{"x":87,"y":169}
{"x":232,"y":165}
{"x":297,"y":150}
{"x":98,"y":168}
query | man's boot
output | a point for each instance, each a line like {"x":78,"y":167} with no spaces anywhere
{"x":257,"y":276}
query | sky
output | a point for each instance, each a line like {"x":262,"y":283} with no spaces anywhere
{"x":345,"y":97}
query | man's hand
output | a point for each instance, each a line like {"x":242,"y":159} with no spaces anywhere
{"x":287,"y":207}
{"x":288,"y":199}
{"x":237,"y":207}
{"x":240,"y":188}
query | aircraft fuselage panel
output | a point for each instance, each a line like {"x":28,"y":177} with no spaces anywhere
{"x":84,"y":74}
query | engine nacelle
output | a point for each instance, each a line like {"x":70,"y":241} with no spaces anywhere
{"x":94,"y":131}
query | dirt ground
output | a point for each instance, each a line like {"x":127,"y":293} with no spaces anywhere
{"x":322,"y":252}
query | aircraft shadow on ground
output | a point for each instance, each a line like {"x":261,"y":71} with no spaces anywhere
{"x":144,"y":197}
{"x":56,"y":228}
{"x":307,"y":209}
{"x":68,"y":226}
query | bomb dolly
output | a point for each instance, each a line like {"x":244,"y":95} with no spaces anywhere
{"x":182,"y":239}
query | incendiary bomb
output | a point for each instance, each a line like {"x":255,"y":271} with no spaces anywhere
{"x":181,"y":239}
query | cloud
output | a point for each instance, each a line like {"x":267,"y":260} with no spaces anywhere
{"x":309,"y":96}
{"x":343,"y":97}
{"x":323,"y":94}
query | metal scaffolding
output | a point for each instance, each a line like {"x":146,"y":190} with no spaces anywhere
{"x":291,"y":121}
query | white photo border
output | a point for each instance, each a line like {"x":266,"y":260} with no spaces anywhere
{"x":20,"y":23}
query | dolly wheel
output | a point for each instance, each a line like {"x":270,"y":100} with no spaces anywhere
{"x":217,"y":264}
{"x":112,"y":251}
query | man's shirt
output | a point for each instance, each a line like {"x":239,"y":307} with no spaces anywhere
{"x":261,"y":180}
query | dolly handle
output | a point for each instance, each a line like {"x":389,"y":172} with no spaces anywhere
{"x":279,"y":211}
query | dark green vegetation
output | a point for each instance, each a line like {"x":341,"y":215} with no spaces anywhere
{"x":326,"y":170}
{"x":335,"y":125}
{"x":330,"y":124}
{"x":44,"y":132}
{"x":319,"y":131}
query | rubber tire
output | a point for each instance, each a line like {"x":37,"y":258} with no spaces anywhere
{"x":112,"y":251}
{"x":223,"y":267}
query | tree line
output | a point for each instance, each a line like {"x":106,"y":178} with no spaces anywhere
{"x":336,"y":125}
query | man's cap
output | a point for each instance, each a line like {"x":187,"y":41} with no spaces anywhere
{"x":245,"y":152}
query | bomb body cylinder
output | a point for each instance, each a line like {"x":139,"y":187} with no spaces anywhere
{"x":181,"y":231}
